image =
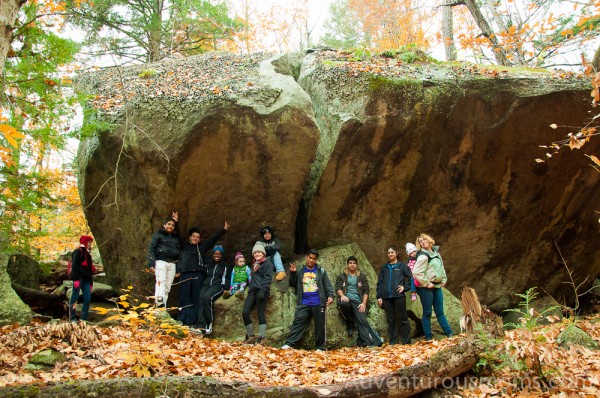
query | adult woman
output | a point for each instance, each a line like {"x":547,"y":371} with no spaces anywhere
{"x":258,"y":293}
{"x":393,"y":282}
{"x":430,"y":273}
{"x":81,"y":275}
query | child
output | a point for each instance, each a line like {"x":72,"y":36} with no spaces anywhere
{"x":258,"y":295}
{"x":272,"y":246}
{"x":411,"y":250}
{"x":240,"y":277}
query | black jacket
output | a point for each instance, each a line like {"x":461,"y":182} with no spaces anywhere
{"x":323,"y":283}
{"x":261,"y":278}
{"x":192,"y":257}
{"x":362,"y":283}
{"x":81,"y":265}
{"x":217,"y":274}
{"x":390,"y":278}
{"x":164,"y":246}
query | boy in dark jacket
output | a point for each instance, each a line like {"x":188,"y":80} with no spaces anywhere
{"x":352,"y":288}
{"x":273,"y":248}
{"x":315,"y":292}
{"x":192,"y":271}
{"x":216,"y":281}
{"x":163,"y":253}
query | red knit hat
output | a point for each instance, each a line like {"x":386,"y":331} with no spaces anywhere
{"x":85,"y":239}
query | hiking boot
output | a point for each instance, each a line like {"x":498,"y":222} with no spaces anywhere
{"x":159,"y":303}
{"x":259,"y":340}
{"x":239,"y":294}
{"x":226,"y":294}
{"x":249,"y":339}
{"x":280,"y":276}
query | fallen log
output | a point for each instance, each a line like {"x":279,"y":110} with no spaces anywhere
{"x":405,"y":382}
{"x":40,"y":301}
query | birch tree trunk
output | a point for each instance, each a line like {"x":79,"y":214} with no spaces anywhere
{"x":8,"y":15}
{"x":448,"y":31}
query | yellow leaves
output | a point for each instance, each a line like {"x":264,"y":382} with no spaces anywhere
{"x":11,"y":134}
{"x":594,"y":159}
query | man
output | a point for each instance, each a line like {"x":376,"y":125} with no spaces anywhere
{"x":315,"y":292}
{"x":352,"y":288}
{"x":192,"y":268}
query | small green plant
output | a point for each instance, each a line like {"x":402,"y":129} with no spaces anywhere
{"x":493,"y":357}
{"x":529,"y":318}
{"x":408,"y":54}
{"x":361,"y":54}
{"x":147,"y":73}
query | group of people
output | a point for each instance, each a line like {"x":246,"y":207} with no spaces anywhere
{"x":204,"y":277}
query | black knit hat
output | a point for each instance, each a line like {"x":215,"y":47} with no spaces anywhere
{"x":266,"y":229}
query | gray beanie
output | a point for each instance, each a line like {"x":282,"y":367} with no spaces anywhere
{"x":258,"y":247}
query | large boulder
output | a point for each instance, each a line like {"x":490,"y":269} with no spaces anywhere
{"x":24,"y":271}
{"x":450,"y":151}
{"x":217,"y":137}
{"x":12,"y":308}
{"x":370,"y":152}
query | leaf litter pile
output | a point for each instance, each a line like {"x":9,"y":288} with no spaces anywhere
{"x":524,"y":363}
{"x":122,"y":351}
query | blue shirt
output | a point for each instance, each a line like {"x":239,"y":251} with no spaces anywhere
{"x":310,"y":289}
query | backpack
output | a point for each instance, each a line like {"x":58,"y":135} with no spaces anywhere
{"x":437,"y":267}
{"x":70,"y":263}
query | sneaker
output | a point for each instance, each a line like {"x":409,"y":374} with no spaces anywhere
{"x":208,"y":329}
{"x":319,"y":350}
{"x":159,"y":303}
{"x":413,"y":296}
{"x":286,"y":347}
{"x":280,"y":276}
{"x":259,"y":340}
{"x":226,"y":294}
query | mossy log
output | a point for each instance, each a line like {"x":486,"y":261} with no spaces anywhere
{"x":405,"y":382}
{"x":39,"y":300}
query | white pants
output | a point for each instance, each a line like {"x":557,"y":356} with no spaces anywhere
{"x":164,"y":273}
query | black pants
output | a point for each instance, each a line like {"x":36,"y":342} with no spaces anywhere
{"x":302,"y":318}
{"x":261,"y":309}
{"x":189,"y":296}
{"x":367,"y":336}
{"x":395,"y":312}
{"x":205,"y":310}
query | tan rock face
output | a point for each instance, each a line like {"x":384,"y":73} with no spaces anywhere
{"x":347,"y":156}
{"x":457,"y":161}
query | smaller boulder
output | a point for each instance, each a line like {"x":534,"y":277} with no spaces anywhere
{"x":574,"y":335}
{"x":45,"y":359}
{"x":24,"y":271}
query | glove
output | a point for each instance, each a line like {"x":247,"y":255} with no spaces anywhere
{"x":91,"y":287}
{"x":76,"y":284}
{"x":260,"y":295}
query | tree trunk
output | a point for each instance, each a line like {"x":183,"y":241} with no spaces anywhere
{"x":155,"y":31}
{"x":8,"y":15}
{"x":448,"y":32}
{"x":405,"y":382}
{"x":498,"y":49}
{"x":596,"y":60}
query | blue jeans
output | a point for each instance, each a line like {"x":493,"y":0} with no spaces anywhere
{"x":433,"y":298}
{"x":86,"y":289}
{"x":278,"y":263}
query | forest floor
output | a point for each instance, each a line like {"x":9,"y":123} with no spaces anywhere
{"x":524,"y":363}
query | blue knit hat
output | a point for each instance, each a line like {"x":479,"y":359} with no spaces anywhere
{"x":218,"y":248}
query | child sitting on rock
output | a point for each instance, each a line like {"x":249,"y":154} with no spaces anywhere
{"x":240,"y":277}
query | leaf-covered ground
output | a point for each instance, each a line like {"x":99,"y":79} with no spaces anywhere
{"x":525,"y":363}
